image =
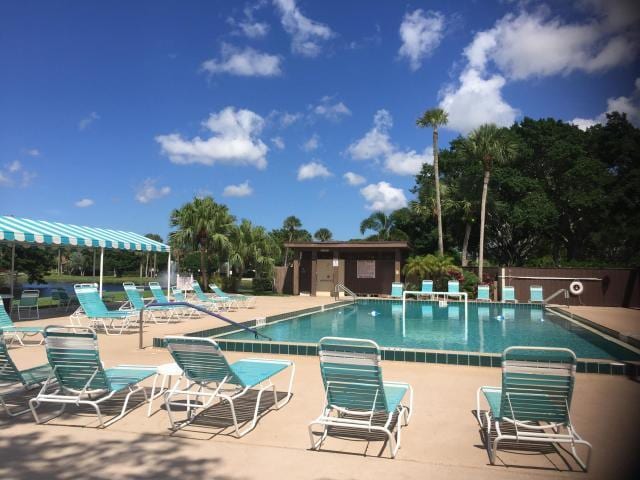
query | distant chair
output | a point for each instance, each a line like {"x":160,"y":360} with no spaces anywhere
{"x":62,"y":297}
{"x":396,"y":289}
{"x":209,"y":300}
{"x":533,"y":401}
{"x":244,"y":301}
{"x":536,"y":294}
{"x":29,"y":302}
{"x":483,"y":293}
{"x":453,"y":286}
{"x":509,"y":294}
{"x":137,"y":302}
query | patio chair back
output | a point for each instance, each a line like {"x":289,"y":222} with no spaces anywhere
{"x":396,"y":289}
{"x":536,"y":294}
{"x":90,"y":300}
{"x":133,"y":295}
{"x":5,"y":319}
{"x":198,"y":291}
{"x":201,"y":360}
{"x":73,"y":354}
{"x":351,"y":374}
{"x":178,"y":294}
{"x":537,"y":384}
{"x":508,"y":294}
{"x":427,"y":286}
{"x":453,"y":286}
{"x":217,"y":290}
{"x":483,"y":292}
{"x":158,"y":294}
{"x":29,"y":298}
{"x":9,"y":374}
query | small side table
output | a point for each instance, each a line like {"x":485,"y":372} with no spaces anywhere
{"x":166,"y":371}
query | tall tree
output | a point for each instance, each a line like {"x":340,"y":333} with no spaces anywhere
{"x":290,"y":225}
{"x":435,"y":118}
{"x":252,"y":247}
{"x":203,"y":226}
{"x":489,"y":145}
{"x":384,"y":225}
{"x":323,"y":235}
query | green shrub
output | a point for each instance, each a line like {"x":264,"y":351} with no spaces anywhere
{"x":262,"y":285}
{"x":229,"y":284}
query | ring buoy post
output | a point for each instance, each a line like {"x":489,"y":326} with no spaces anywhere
{"x":576,"y":287}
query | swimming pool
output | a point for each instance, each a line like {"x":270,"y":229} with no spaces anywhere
{"x":489,"y":328}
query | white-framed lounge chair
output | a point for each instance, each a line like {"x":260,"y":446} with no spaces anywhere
{"x":426,"y":288}
{"x":13,"y":381}
{"x":535,"y":400}
{"x":8,"y":329}
{"x":29,"y":302}
{"x":179,"y":296}
{"x":203,"y":298}
{"x":483,"y":293}
{"x":244,"y":301}
{"x":509,"y":294}
{"x":78,"y":376}
{"x":98,"y":313}
{"x":536,"y":294}
{"x":159,"y":296}
{"x":211,"y":377}
{"x":396,"y":289}
{"x":138,"y":303}
{"x":453,"y":286}
{"x":355,"y":391}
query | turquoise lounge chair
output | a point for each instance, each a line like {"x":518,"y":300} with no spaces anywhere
{"x":483,"y":293}
{"x":426,"y":289}
{"x":98,"y":313}
{"x":535,"y":399}
{"x":29,"y":302}
{"x":14,"y":381}
{"x":203,"y":298}
{"x":137,"y":302}
{"x":536,"y":294}
{"x":7,"y":328}
{"x":243,"y":301}
{"x":211,"y":377}
{"x":159,"y":296}
{"x":453,"y":286}
{"x":78,"y":375}
{"x":396,"y":289}
{"x":509,"y":294}
{"x":355,"y":392}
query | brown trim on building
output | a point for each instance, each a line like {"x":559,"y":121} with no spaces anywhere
{"x":347,"y":245}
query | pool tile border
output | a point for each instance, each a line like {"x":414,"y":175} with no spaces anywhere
{"x":443,"y":357}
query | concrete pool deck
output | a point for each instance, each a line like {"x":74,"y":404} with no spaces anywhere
{"x":442,"y":441}
{"x":624,"y":322}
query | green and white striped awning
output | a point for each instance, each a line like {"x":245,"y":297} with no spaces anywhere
{"x":13,"y":229}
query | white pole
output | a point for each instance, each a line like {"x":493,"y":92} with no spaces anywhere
{"x":501,"y":283}
{"x":101,"y":267}
{"x":13,"y":266}
{"x":169,"y":277}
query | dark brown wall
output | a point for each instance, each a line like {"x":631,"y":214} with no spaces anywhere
{"x":305,"y":272}
{"x":385,"y":273}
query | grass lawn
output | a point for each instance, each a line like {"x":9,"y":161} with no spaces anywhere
{"x":107,"y":279}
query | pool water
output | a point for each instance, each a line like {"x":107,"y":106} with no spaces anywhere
{"x":489,"y":328}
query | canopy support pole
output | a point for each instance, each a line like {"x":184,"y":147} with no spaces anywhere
{"x":13,"y":266}
{"x":101,"y":267}
{"x":169,"y":277}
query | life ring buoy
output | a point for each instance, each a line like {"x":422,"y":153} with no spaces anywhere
{"x":576,"y":287}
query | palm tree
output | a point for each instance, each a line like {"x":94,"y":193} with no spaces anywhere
{"x":434,"y":118}
{"x":434,"y":267}
{"x":489,"y":145}
{"x":290,"y":225}
{"x":323,"y":235}
{"x":383,"y":225}
{"x":203,"y":226}
{"x":252,"y":246}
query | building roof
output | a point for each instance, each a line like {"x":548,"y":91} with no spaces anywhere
{"x":357,"y":245}
{"x":14,"y":229}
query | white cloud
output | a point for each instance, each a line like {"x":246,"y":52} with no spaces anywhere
{"x":383,"y":197}
{"x":148,"y":191}
{"x":307,"y":35}
{"x":331,"y":111}
{"x":240,"y":190}
{"x":476,"y":100}
{"x":421,"y":33}
{"x":354,"y":179}
{"x":14,"y":174}
{"x":5,"y":180}
{"x":27,"y":178}
{"x":246,"y":63}
{"x":312,"y":144}
{"x":629,"y":105}
{"x":376,"y":144}
{"x":278,"y":142}
{"x":283,"y":119}
{"x":33,"y":152}
{"x":14,"y":166}
{"x":311,"y":170}
{"x":249,"y":26}
{"x":88,"y":120}
{"x":84,"y":203}
{"x":234,"y":141}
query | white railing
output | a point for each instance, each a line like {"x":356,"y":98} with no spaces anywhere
{"x":341,"y":286}
{"x":441,"y":297}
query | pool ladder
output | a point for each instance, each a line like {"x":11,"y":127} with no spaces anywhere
{"x":554,"y":295}
{"x":341,"y":286}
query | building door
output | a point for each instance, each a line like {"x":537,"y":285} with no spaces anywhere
{"x":325,"y":276}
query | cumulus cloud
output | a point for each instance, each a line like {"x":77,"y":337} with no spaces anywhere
{"x":354,"y":179}
{"x":87,"y":121}
{"x":14,"y":166}
{"x":307,"y":36}
{"x":376,"y":145}
{"x":33,"y":152}
{"x":312,"y":144}
{"x":421,"y":33}
{"x":278,"y":142}
{"x":629,"y":105}
{"x":247,"y":63}
{"x":14,"y":174}
{"x":84,"y":203}
{"x":148,"y":191}
{"x":311,"y":170}
{"x":234,"y":141}
{"x":240,"y":190}
{"x":248,"y":26}
{"x":331,"y":110}
{"x":383,"y":197}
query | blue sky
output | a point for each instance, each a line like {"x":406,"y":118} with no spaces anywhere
{"x":114,"y":113}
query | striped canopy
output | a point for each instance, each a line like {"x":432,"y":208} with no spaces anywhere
{"x":15,"y":229}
